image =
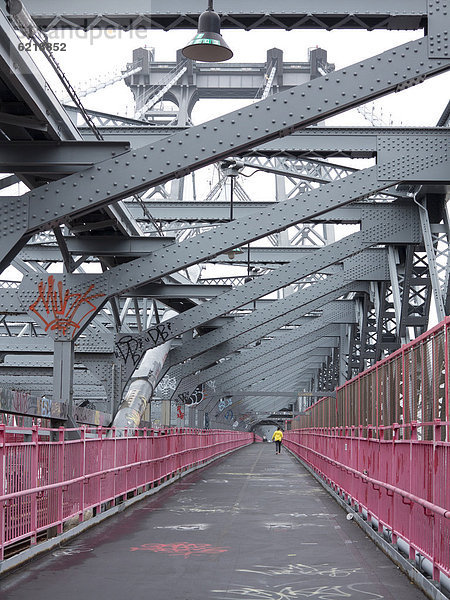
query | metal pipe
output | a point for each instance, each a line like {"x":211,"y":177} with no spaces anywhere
{"x":143,"y":383}
{"x":423,"y":564}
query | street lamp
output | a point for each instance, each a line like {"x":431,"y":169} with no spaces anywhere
{"x":208,"y":45}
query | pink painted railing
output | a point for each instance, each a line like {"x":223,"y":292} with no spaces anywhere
{"x":45,"y":483}
{"x":384,"y":444}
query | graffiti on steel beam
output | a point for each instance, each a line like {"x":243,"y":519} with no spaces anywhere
{"x":229,"y":415}
{"x":195,"y":397}
{"x":130,"y":348}
{"x":167,"y":384}
{"x":62,"y":310}
{"x":224,"y":403}
{"x":180,"y":412}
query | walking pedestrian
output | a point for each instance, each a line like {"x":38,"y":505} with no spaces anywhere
{"x":277,"y":437}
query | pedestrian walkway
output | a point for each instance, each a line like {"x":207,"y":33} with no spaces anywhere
{"x":254,"y":525}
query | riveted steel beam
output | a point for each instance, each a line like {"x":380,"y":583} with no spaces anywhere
{"x":44,"y":344}
{"x":27,"y":85}
{"x":336,"y":312}
{"x":370,"y":264}
{"x":178,"y":155}
{"x":291,"y":375}
{"x":55,"y":158}
{"x":229,"y":373}
{"x":249,"y":393}
{"x":342,"y":311}
{"x":250,"y":369}
{"x":220,"y":211}
{"x":275,"y":366}
{"x":293,"y":360}
{"x":323,"y":142}
{"x":96,"y":246}
{"x":187,"y":290}
{"x":388,"y":230}
{"x":138,"y":14}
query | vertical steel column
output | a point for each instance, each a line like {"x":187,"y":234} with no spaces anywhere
{"x":63,"y":365}
{"x":393,"y":260}
{"x":343,"y":353}
{"x":165,"y":412}
{"x":446,"y":290}
{"x":431,"y":258}
{"x":280,"y":196}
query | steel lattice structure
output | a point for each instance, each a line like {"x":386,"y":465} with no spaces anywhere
{"x":113,"y":226}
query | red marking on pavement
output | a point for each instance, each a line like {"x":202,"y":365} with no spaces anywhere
{"x":181,"y":549}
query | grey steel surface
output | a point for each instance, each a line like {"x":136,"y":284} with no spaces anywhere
{"x":238,"y":131}
{"x":334,"y":313}
{"x":55,"y":157}
{"x":401,"y":14}
{"x":220,"y":211}
{"x":21,"y":73}
{"x":349,"y":142}
{"x":121,"y":278}
{"x":137,"y":271}
{"x":285,"y":275}
{"x":253,"y":327}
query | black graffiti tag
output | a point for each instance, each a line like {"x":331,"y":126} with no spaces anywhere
{"x":183,"y":398}
{"x":130,"y":348}
{"x":194,"y":398}
{"x":157,"y":335}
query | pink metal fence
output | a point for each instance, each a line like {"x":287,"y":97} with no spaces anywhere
{"x":45,"y":483}
{"x":384,"y":444}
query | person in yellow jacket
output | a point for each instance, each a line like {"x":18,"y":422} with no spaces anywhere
{"x":277,"y":436}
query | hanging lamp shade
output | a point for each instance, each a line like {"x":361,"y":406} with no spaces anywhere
{"x":208,"y":45}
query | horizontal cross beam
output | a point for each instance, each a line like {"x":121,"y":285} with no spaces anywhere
{"x":136,"y":14}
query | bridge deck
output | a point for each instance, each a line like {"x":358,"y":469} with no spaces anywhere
{"x":252,"y":525}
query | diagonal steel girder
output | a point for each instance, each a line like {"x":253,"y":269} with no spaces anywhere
{"x":263,"y":402}
{"x":311,"y":299}
{"x":342,"y":311}
{"x":369,"y":265}
{"x":318,"y":341}
{"x":256,"y":363}
{"x":274,"y":364}
{"x":297,"y":366}
{"x":393,"y":229}
{"x":277,"y":357}
{"x":243,"y":405}
{"x":173,"y":257}
{"x":180,"y":154}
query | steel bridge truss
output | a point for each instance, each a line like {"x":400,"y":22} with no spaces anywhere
{"x":106,"y":235}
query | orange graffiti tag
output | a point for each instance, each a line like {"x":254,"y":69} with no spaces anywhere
{"x":59,"y":309}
